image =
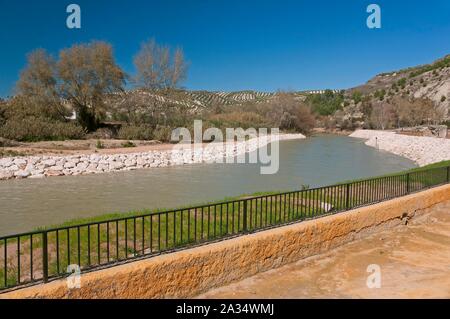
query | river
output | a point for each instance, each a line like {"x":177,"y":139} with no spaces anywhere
{"x":319,"y":160}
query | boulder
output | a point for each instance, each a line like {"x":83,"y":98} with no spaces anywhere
{"x":4,"y":175}
{"x":6,"y":162}
{"x":22,"y":174}
{"x":49,"y":162}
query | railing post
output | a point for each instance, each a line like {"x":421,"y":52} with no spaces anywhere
{"x":347,"y":197}
{"x":44,"y":257}
{"x":408,"y":189}
{"x":244,"y":222}
{"x":448,"y":174}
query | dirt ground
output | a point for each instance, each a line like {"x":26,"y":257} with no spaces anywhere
{"x":414,"y":262}
{"x":78,"y":147}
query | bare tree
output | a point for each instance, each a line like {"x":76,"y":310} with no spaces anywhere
{"x":87,"y":72}
{"x":382,"y":115}
{"x":289,"y":113}
{"x":413,"y":112}
{"x":37,"y":84}
{"x":156,"y":67}
{"x":179,"y":68}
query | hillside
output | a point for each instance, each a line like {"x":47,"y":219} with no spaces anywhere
{"x":431,"y":81}
{"x":408,"y":97}
{"x":194,"y":100}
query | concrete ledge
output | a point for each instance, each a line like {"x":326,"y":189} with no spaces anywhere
{"x":190,"y":272}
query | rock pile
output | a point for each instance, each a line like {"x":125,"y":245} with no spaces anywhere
{"x":422,"y":150}
{"x":43,"y":166}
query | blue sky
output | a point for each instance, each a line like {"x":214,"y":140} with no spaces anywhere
{"x":239,"y":44}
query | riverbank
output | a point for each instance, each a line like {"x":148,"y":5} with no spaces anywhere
{"x":422,"y":150}
{"x":151,"y":156}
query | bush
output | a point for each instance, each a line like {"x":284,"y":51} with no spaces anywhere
{"x":357,"y":97}
{"x":327,"y":103}
{"x":135,"y":132}
{"x":128,"y":144}
{"x":103,"y":133}
{"x":244,"y":119}
{"x":32,"y":129}
{"x":402,"y":83}
{"x":162,"y":133}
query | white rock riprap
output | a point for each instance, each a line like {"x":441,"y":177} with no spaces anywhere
{"x":422,"y":150}
{"x":44,"y":166}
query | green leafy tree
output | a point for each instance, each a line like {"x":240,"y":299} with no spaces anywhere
{"x":327,"y":103}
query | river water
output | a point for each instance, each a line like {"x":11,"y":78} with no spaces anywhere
{"x":320,"y":160}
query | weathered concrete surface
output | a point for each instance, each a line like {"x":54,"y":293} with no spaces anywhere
{"x":414,"y":262}
{"x":191,"y":272}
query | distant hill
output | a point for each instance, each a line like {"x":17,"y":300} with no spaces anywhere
{"x":194,"y":100}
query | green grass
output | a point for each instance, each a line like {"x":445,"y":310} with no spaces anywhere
{"x":412,"y":170}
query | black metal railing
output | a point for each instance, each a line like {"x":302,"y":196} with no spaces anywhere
{"x":43,"y":255}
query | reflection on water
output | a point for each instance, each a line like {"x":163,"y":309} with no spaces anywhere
{"x":321,"y":160}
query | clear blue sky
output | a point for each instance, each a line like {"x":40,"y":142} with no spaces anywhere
{"x":239,"y":44}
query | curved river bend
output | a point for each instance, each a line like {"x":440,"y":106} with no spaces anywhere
{"x":321,"y":160}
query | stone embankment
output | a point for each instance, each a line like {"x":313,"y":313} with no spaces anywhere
{"x":422,"y":150}
{"x":43,"y":166}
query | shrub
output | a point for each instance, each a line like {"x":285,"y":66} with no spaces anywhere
{"x":443,"y":98}
{"x":402,"y":83}
{"x":326,"y":103}
{"x":102,"y":133}
{"x":99,"y":145}
{"x":128,"y":144}
{"x":380,"y":94}
{"x":31,"y":129}
{"x":357,"y":97}
{"x":244,"y":119}
{"x":162,"y":133}
{"x":135,"y":132}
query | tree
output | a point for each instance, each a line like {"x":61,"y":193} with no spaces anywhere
{"x":290,"y":113}
{"x":37,"y":85}
{"x":414,"y":112}
{"x":327,"y":103}
{"x":382,"y":115}
{"x":156,"y":68}
{"x":87,"y":72}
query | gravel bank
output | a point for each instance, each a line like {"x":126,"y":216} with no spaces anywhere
{"x":44,"y":166}
{"x":422,"y":150}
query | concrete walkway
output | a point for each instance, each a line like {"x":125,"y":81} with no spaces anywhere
{"x":414,"y":261}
